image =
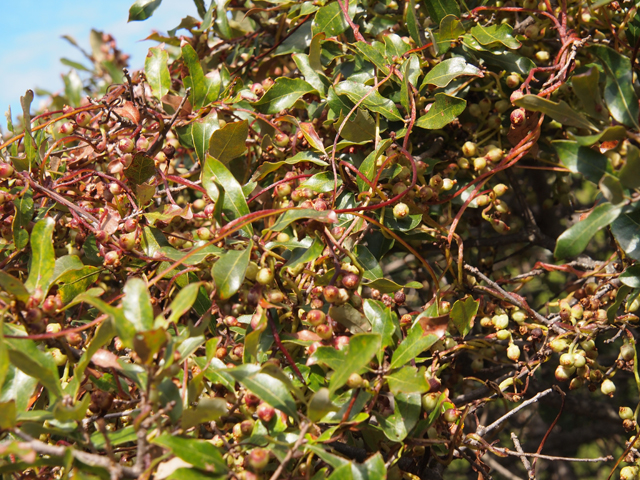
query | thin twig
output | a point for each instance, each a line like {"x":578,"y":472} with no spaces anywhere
{"x":482,"y":431}
{"x":530,"y":471}
{"x":303,"y":431}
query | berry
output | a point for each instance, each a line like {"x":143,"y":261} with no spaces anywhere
{"x":354,"y":381}
{"x":316,"y":317}
{"x":512,"y":81}
{"x":324,"y":331}
{"x":564,"y":373}
{"x":625,"y":413}
{"x":451,"y":415}
{"x":518,"y":116}
{"x":475,"y":110}
{"x":608,"y":387}
{"x":469,"y":149}
{"x":6,"y":170}
{"x":401,"y":210}
{"x":83,"y":119}
{"x":479,"y":163}
{"x":331,"y":293}
{"x":430,"y":401}
{"x":350,"y":280}
{"x":265,"y":412}
{"x":66,"y":128}
{"x":264,"y":276}
{"x":281,"y":139}
{"x":513,"y":352}
{"x":258,"y":459}
{"x":567,"y":360}
{"x":126,"y":145}
{"x":627,"y":352}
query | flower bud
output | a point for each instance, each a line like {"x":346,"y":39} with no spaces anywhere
{"x":513,"y":352}
{"x":518,"y":116}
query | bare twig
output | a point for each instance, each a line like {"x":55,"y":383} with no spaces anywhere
{"x":503,"y":471}
{"x":303,"y":431}
{"x":530,"y":471}
{"x":482,"y":431}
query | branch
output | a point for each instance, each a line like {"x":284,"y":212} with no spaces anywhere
{"x":482,"y":431}
{"x":88,"y":458}
{"x":530,"y":471}
{"x":289,"y":455}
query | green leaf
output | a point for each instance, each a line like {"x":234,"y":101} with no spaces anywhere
{"x":201,"y":132}
{"x":406,"y":412}
{"x":446,"y":71}
{"x":282,"y":95}
{"x":319,"y":405}
{"x":13,"y":286}
{"x":18,"y":386}
{"x":207,"y":410}
{"x":75,"y":282}
{"x":380,"y":318}
{"x":116,"y":438}
{"x":438,"y":9}
{"x":408,"y":380}
{"x":374,"y":101}
{"x":502,"y":33}
{"x":268,"y":388}
{"x":43,"y":258}
{"x":295,"y":214}
{"x":384,"y":285}
{"x":322,"y":182}
{"x":630,"y":171}
{"x":305,"y":255}
{"x":136,"y":304}
{"x":412,"y":23}
{"x":450,"y":30}
{"x":610,"y":133}
{"x":199,"y":453}
{"x":22,"y":216}
{"x":313,"y":77}
{"x":8,"y":415}
{"x":611,"y":188}
{"x":560,"y":112}
{"x":372,"y":269}
{"x":374,"y":55}
{"x":4,"y":356}
{"x":587,"y":88}
{"x":416,"y":342}
{"x":329,"y":20}
{"x":394,"y":46}
{"x":347,"y":316}
{"x":229,"y":271}
{"x":204,"y":90}
{"x":619,"y":93}
{"x":362,"y":348}
{"x":311,"y":136}
{"x":141,"y":169}
{"x":574,"y":240}
{"x":584,"y":160}
{"x":506,"y":60}
{"x":462,"y":314}
{"x":157,"y":72}
{"x":368,"y":165}
{"x":234,"y":203}
{"x":631,"y":276}
{"x":444,"y":111}
{"x":26,"y":356}
{"x":267,"y":167}
{"x":183,"y":301}
{"x":626,"y":230}
{"x":228,"y":142}
{"x":142,"y":9}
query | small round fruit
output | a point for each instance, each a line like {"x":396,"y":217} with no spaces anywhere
{"x":6,"y":170}
{"x":316,"y":317}
{"x":512,"y":80}
{"x":401,"y":210}
{"x":324,"y":331}
{"x":627,"y":352}
{"x":265,"y":412}
{"x":479,"y":163}
{"x":513,"y":352}
{"x":608,"y":387}
{"x":625,"y":413}
{"x":350,"y":280}
{"x":451,"y":415}
{"x":258,"y":459}
{"x":567,"y":360}
{"x":264,"y":276}
{"x":469,"y":149}
{"x":430,"y":401}
{"x":563,"y":373}
{"x":331,"y":293}
{"x":354,"y":381}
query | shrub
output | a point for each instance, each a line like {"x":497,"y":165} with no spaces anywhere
{"x":329,"y":239}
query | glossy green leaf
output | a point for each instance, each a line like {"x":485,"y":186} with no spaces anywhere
{"x":362,"y":348}
{"x":502,"y":33}
{"x":384,"y":285}
{"x":74,"y":282}
{"x":626,"y":230}
{"x":136,"y":304}
{"x":630,"y":171}
{"x":412,"y":23}
{"x":450,"y":30}
{"x":319,"y":405}
{"x":381,"y":319}
{"x":374,"y":55}
{"x":43,"y":258}
{"x":141,"y":169}
{"x":207,"y":410}
{"x":584,"y":160}
{"x":373,"y":101}
{"x":13,"y":286}
{"x":438,"y":9}
{"x":8,"y":415}
{"x":405,"y":415}
{"x":416,"y":342}
{"x":506,"y":60}
{"x":617,"y":132}
{"x":183,"y":301}
{"x":394,"y":46}
{"x":350,"y":318}
{"x":447,"y":70}
{"x":312,"y":76}
{"x":142,"y":9}
{"x":368,"y":165}
{"x":372,"y":269}
{"x":18,"y":386}
{"x":234,"y":204}
{"x":293,"y":215}
{"x":228,"y":142}
{"x":462,"y":314}
{"x":611,"y":188}
{"x":305,"y":255}
{"x":329,"y":20}
{"x":283,"y":94}
{"x":321,"y":182}
{"x":311,"y":136}
{"x":22,"y":216}
{"x":200,"y":133}
{"x":267,"y":167}
{"x":631,"y":276}
{"x":265,"y":386}
{"x":4,"y":357}
{"x":408,"y":379}
{"x":199,"y":453}
{"x":442,"y":112}
{"x":26,"y":356}
{"x":411,"y":71}
{"x":204,"y":90}
{"x":587,"y":88}
{"x":560,"y":111}
{"x":229,"y":271}
{"x":157,"y":72}
{"x":574,"y":240}
{"x":116,"y":438}
{"x":619,"y":93}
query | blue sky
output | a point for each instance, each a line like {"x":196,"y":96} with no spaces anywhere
{"x":31,"y":45}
